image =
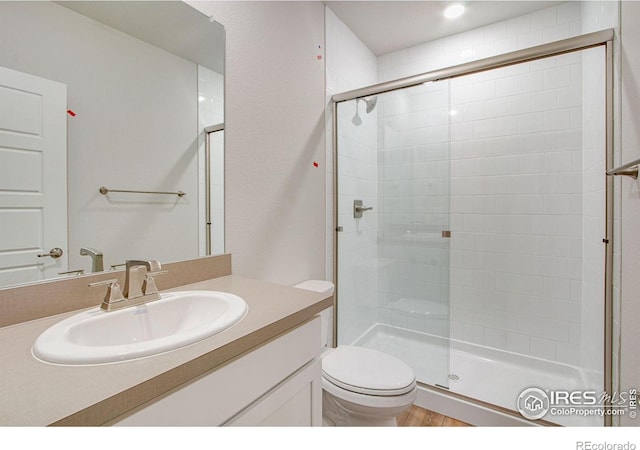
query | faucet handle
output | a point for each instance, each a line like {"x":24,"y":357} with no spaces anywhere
{"x":149,"y":284}
{"x":113,"y":295}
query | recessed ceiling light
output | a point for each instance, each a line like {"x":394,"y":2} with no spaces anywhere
{"x":454,"y":11}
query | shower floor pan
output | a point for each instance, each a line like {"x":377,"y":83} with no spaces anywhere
{"x":482,"y":373}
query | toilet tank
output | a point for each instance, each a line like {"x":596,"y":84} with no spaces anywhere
{"x":326,"y":287}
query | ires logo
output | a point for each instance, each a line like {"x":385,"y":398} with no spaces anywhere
{"x":534,"y":403}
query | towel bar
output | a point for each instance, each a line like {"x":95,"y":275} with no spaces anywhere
{"x":103,"y":190}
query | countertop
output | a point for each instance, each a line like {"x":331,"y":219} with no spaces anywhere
{"x":34,"y":393}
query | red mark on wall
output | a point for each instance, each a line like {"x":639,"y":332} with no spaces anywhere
{"x":319,"y":57}
{"x":315,"y":164}
{"x":71,"y":113}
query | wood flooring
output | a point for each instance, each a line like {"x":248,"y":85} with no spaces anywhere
{"x":418,"y":417}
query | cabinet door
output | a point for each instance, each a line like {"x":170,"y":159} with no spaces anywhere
{"x":297,"y":401}
{"x":216,"y":397}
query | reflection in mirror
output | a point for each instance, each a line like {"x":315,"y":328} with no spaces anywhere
{"x":115,"y":95}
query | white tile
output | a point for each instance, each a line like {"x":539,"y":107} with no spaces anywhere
{"x":544,"y":100}
{"x":544,"y":18}
{"x":567,"y":310}
{"x":505,"y":320}
{"x":568,"y":353}
{"x":519,"y":343}
{"x":495,"y":32}
{"x":530,"y":39}
{"x":530,"y":123}
{"x":506,"y":86}
{"x":506,"y":45}
{"x":569,"y":225}
{"x":556,"y":33}
{"x":559,"y":119}
{"x":544,"y":224}
{"x":520,"y":304}
{"x":544,"y":183}
{"x":557,"y":77}
{"x":462,"y":131}
{"x":556,"y":330}
{"x":531,"y":285}
{"x":519,"y":184}
{"x":543,"y":307}
{"x":483,"y":128}
{"x":570,"y":96}
{"x":569,"y":12}
{"x":506,"y":126}
{"x":533,"y":164}
{"x":543,"y":348}
{"x":533,"y":81}
{"x":519,"y":104}
{"x":495,"y":338}
{"x":519,"y":25}
{"x":558,"y":162}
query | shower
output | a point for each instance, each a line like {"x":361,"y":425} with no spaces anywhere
{"x":371,"y":104}
{"x":482,"y":263}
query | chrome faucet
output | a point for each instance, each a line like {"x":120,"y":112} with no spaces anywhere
{"x":135,"y":282}
{"x":139,"y":285}
{"x":97,"y":264}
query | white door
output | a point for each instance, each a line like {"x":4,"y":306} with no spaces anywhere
{"x":33,"y":177}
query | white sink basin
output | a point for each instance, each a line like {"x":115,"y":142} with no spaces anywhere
{"x":177,"y":319}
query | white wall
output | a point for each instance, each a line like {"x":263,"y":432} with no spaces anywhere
{"x":275,"y":131}
{"x":135,"y":128}
{"x":629,"y":201}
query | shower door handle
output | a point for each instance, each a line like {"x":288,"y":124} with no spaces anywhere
{"x":358,"y":209}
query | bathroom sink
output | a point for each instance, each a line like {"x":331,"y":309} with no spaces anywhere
{"x":175,"y":320}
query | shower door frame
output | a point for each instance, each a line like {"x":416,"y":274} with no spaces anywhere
{"x":574,"y":44}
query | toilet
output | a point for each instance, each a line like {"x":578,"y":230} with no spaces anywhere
{"x":360,"y":386}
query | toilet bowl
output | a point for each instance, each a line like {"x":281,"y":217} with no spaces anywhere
{"x":361,"y":386}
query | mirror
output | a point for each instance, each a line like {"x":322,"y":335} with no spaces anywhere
{"x":126,"y":90}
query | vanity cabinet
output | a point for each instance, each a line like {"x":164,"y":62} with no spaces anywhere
{"x":278,"y":383}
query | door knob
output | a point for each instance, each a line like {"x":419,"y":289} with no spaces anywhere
{"x":54,"y":253}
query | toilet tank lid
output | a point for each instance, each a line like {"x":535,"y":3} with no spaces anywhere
{"x":317,"y":286}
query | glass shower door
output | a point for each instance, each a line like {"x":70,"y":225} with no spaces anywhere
{"x":393,"y":243}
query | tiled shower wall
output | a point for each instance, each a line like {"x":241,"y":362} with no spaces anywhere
{"x":516,"y":207}
{"x":517,"y":266}
{"x":414,"y":186}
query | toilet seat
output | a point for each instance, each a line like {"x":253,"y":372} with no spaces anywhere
{"x":366,"y":371}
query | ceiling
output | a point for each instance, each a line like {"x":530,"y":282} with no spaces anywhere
{"x":165,"y":24}
{"x":387,"y":26}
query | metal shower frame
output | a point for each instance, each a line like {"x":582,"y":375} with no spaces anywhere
{"x":582,"y":42}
